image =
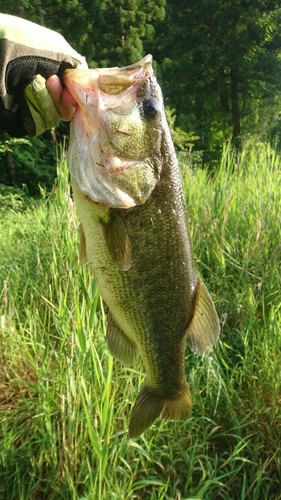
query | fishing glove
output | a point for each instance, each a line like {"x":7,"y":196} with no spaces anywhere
{"x":29,"y":54}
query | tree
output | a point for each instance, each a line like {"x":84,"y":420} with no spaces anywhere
{"x":107,"y":33}
{"x":219,"y":61}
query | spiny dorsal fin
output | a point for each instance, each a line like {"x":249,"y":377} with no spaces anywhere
{"x":117,"y":240}
{"x":119,"y":345}
{"x":204,"y":328}
{"x":82,"y":246}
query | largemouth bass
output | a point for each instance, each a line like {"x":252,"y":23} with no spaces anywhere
{"x":135,"y":236}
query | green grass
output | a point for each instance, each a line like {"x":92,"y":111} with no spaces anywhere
{"x":65,"y":404}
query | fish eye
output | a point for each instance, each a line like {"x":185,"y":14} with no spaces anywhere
{"x":150,"y":108}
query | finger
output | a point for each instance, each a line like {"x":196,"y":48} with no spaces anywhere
{"x":67,"y":98}
{"x":62,"y":101}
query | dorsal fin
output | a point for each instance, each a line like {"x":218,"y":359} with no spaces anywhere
{"x":204,"y":328}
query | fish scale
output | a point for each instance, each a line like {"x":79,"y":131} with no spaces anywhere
{"x":161,"y":328}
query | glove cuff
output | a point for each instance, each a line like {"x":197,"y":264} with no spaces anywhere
{"x":42,"y":113}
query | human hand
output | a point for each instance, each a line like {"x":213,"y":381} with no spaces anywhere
{"x":32,"y":60}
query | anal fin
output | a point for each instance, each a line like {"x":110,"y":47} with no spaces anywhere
{"x":204,"y":328}
{"x":119,"y":345}
{"x":117,"y":240}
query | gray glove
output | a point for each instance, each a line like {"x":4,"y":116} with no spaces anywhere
{"x":29,"y":54}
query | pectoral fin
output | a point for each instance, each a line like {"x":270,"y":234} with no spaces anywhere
{"x":119,"y":345}
{"x":204,"y":328}
{"x":117,"y":240}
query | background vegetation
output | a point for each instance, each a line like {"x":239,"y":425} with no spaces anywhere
{"x":65,"y":404}
{"x":218,"y":62}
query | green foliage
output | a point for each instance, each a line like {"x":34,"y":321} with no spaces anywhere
{"x":220,"y":62}
{"x":8,"y":144}
{"x":65,"y":404}
{"x":183,"y":141}
{"x":33,"y":163}
{"x":14,"y":199}
{"x":107,"y":33}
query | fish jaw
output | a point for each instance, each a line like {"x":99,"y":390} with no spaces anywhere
{"x":112,"y":157}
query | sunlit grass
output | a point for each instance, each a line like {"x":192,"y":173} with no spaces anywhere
{"x":65,"y":403}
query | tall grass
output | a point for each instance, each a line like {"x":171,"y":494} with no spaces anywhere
{"x":65,"y":404}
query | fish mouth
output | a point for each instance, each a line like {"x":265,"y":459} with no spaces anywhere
{"x":110,"y":81}
{"x":140,"y":69}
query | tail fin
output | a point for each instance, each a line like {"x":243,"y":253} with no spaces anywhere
{"x":150,"y":405}
{"x":178,"y":407}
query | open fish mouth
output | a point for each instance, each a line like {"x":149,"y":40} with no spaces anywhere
{"x":115,"y":135}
